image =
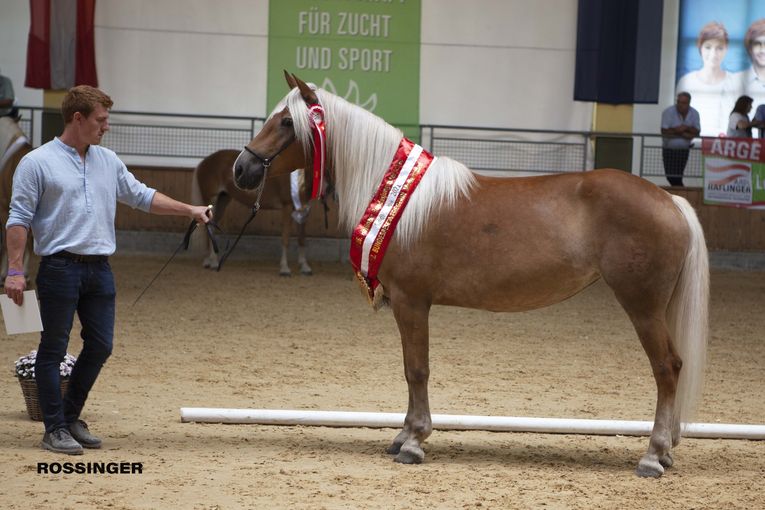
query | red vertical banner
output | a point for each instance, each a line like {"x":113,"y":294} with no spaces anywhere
{"x":61,"y":45}
{"x":85,"y":51}
{"x":38,"y":45}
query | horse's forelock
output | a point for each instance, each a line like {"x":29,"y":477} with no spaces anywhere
{"x":300,"y":121}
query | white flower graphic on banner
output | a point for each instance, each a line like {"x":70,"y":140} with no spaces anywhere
{"x":353,"y":94}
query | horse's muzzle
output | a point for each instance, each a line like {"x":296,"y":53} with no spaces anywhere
{"x":247,"y":172}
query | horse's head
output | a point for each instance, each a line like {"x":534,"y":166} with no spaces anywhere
{"x":279,"y":147}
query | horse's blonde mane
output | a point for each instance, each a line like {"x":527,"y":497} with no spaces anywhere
{"x":360,"y":148}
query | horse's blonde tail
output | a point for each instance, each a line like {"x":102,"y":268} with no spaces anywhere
{"x":688,"y":316}
{"x":199,"y":241}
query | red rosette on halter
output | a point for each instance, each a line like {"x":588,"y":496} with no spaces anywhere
{"x":316,"y":116}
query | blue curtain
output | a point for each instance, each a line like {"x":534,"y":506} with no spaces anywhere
{"x":618,"y":51}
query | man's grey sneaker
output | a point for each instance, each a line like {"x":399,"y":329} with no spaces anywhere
{"x":79,"y":431}
{"x":61,"y":441}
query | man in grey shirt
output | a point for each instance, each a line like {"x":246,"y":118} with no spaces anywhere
{"x":680,"y":124}
{"x":66,"y":191}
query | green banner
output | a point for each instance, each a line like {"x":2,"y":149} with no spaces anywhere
{"x":365,"y":51}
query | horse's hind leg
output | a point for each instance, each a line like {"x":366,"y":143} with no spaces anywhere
{"x":665,"y":364}
{"x":412,"y":320}
{"x":219,"y":208}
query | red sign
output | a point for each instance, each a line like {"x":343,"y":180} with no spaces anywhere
{"x":748,"y":149}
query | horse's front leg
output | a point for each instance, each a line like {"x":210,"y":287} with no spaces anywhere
{"x":305,"y":269}
{"x":412,"y":320}
{"x":284,"y":268}
{"x":211,"y":261}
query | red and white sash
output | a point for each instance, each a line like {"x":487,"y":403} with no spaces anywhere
{"x":372,"y":235}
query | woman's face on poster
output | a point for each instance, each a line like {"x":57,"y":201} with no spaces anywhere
{"x":713,"y":52}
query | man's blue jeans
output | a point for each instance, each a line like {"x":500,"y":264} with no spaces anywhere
{"x":64,"y":287}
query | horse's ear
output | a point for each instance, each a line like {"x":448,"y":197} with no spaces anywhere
{"x":309,"y":95}
{"x":290,"y":80}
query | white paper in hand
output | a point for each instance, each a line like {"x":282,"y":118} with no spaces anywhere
{"x":24,"y":318}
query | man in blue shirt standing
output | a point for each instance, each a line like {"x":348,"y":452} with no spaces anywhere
{"x":680,"y":124}
{"x":66,"y":191}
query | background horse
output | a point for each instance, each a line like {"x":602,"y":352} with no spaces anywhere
{"x":513,"y":244}
{"x":13,"y":146}
{"x":213,"y":183}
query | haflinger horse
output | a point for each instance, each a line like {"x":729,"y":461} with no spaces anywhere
{"x":14,"y":145}
{"x":213,"y":183}
{"x":508,"y":244}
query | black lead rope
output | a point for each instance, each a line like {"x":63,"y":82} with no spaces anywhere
{"x":209,"y":226}
{"x":330,"y":191}
{"x":326,"y":212}
{"x":223,"y":259}
{"x":255,"y":208}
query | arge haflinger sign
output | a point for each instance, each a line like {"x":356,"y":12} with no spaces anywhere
{"x":734,"y":172}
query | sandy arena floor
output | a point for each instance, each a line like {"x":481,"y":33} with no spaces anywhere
{"x":246,"y":338}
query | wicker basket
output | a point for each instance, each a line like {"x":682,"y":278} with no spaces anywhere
{"x":29,"y":389}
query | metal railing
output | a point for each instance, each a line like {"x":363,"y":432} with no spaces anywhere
{"x":28,"y":124}
{"x":164,"y":137}
{"x":161,"y":135}
{"x":545,"y":151}
{"x":509,"y":150}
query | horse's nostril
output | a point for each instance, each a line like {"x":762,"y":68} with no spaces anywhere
{"x":238,"y":171}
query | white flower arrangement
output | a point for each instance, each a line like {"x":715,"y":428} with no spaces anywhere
{"x":25,"y":366}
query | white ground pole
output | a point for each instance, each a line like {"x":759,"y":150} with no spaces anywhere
{"x":462,"y":422}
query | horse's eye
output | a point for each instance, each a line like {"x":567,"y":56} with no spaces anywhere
{"x":287,"y":122}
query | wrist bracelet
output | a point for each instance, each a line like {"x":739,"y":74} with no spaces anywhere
{"x":15,"y":272}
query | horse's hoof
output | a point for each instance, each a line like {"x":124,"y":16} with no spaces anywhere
{"x":649,"y":469}
{"x":285,"y":273}
{"x":410,"y":455}
{"x":666,"y":460}
{"x":307,"y":273}
{"x":393,"y":449}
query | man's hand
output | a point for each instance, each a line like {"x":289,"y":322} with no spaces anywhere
{"x":676,"y":131}
{"x":201,"y":213}
{"x":14,"y":288}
